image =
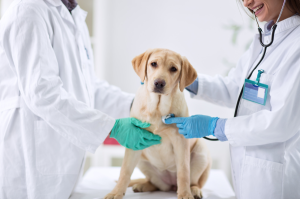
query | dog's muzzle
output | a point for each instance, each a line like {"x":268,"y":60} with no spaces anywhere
{"x":159,"y":85}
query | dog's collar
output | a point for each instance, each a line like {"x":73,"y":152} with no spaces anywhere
{"x":142,"y":83}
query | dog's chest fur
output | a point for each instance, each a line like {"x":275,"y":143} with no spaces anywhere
{"x":150,"y":107}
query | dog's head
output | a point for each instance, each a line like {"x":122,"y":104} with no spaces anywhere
{"x":164,"y":70}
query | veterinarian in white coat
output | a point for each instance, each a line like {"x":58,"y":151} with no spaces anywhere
{"x":264,"y":139}
{"x":52,"y":107}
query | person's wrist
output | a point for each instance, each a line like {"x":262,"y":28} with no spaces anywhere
{"x":212,"y":125}
{"x":113,"y":132}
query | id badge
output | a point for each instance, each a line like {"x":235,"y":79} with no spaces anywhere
{"x":255,"y":92}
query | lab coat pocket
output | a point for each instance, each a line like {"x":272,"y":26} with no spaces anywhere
{"x":251,"y":107}
{"x":54,"y":153}
{"x":261,"y":179}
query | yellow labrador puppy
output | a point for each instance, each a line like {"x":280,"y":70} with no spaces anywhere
{"x":177,"y":163}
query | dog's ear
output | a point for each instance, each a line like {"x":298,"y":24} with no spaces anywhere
{"x":139,"y":64}
{"x":188,"y":74}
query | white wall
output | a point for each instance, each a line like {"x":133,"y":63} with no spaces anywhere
{"x":4,"y":4}
{"x":193,"y":28}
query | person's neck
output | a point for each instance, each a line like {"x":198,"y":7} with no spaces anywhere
{"x":286,"y":13}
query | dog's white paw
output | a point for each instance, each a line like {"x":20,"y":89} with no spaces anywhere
{"x":114,"y":196}
{"x":196,"y":192}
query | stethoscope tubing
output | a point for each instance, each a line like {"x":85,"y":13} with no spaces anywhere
{"x":211,"y":139}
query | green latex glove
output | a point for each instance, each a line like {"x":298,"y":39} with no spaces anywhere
{"x":129,"y":132}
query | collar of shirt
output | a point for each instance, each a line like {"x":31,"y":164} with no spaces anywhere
{"x":70,"y":4}
{"x":283,"y":25}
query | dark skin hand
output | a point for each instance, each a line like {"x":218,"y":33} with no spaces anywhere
{"x":70,"y":4}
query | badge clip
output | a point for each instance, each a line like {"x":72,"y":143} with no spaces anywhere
{"x":258,"y":76}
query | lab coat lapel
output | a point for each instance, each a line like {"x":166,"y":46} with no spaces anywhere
{"x":63,"y":11}
{"x":256,"y":50}
{"x":79,"y":15}
{"x":66,"y":16}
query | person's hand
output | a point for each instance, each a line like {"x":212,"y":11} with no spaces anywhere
{"x":196,"y":126}
{"x":129,"y":133}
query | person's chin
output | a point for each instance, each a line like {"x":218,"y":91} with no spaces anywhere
{"x":263,"y":19}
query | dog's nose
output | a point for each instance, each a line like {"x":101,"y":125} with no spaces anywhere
{"x":159,"y":83}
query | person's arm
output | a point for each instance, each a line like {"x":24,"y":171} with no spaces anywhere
{"x":281,"y":122}
{"x":221,"y":90}
{"x":111,"y":100}
{"x":28,"y":47}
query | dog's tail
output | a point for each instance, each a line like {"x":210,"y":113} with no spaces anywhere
{"x":137,"y":181}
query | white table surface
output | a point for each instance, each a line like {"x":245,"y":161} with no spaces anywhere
{"x":98,"y":181}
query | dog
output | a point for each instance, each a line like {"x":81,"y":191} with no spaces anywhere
{"x":177,"y":163}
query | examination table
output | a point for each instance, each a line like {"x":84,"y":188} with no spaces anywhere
{"x":98,"y":181}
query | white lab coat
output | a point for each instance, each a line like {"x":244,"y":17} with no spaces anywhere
{"x":264,"y":140}
{"x":52,"y":107}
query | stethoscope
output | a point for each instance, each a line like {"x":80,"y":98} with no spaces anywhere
{"x":265,"y":46}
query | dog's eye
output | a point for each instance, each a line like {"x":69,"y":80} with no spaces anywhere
{"x":154,"y":64}
{"x":173,"y":69}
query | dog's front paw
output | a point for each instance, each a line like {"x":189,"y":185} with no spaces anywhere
{"x":196,"y":192}
{"x":185,"y":195}
{"x":114,"y":196}
{"x":144,"y":187}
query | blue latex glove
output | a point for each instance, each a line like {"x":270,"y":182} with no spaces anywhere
{"x":196,"y":126}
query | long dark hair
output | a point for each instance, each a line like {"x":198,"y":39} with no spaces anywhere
{"x":292,"y":5}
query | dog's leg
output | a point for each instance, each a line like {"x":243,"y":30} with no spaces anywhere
{"x":200,"y":167}
{"x":204,"y":176}
{"x":130,"y":161}
{"x":182,"y":156}
{"x":153,"y":176}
